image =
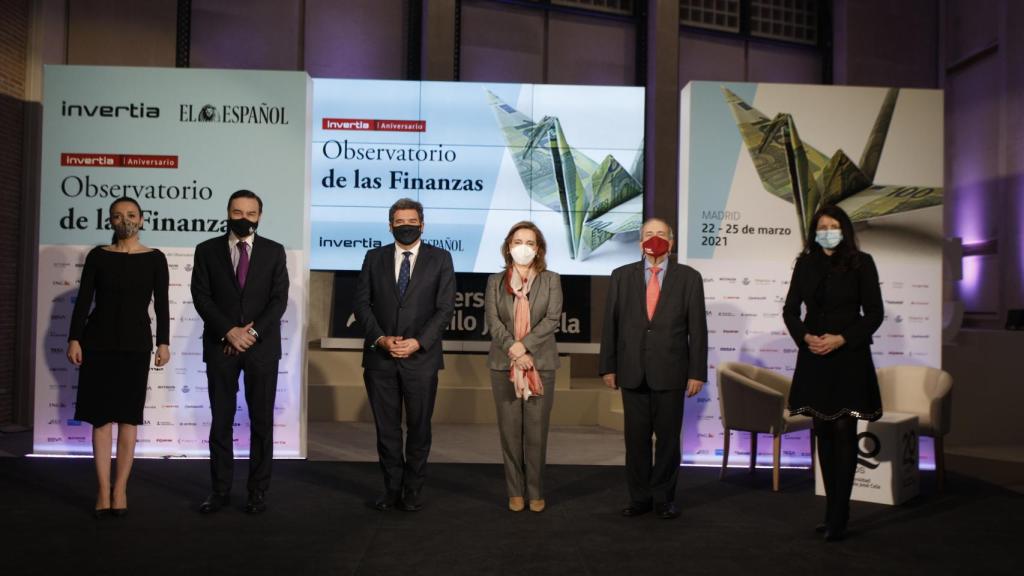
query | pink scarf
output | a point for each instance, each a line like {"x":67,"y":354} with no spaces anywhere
{"x":527,"y":382}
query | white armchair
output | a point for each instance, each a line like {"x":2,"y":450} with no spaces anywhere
{"x":753,"y":399}
{"x":927,"y":393}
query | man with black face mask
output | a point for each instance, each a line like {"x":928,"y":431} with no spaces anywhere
{"x":240,"y":289}
{"x":405,"y":296}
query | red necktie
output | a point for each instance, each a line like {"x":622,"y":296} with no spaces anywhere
{"x":653,"y":291}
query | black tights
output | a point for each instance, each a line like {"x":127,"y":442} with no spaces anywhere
{"x":837,"y":456}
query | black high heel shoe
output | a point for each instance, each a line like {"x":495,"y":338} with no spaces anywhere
{"x":100,"y":513}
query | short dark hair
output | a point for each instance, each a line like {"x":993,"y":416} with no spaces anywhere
{"x":405,"y":204}
{"x":245,"y":194}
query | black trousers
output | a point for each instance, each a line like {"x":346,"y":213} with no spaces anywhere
{"x":837,"y":456}
{"x":389,"y":392}
{"x":659,"y":413}
{"x":260,"y":380}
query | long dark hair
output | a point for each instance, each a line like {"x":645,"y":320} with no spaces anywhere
{"x":110,"y":210}
{"x":847,"y":253}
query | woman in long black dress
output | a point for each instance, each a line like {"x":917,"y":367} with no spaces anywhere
{"x":113,"y":343}
{"x":834,"y":381}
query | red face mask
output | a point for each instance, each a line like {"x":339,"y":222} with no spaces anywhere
{"x":655,"y":246}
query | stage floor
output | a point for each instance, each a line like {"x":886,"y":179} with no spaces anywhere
{"x":319,"y":523}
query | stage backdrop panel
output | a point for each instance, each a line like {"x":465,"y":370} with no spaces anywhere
{"x":741,"y":220}
{"x":179,"y":142}
{"x":480,"y":157}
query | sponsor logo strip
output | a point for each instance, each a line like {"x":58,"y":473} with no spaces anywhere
{"x":371,"y":125}
{"x":100,"y":160}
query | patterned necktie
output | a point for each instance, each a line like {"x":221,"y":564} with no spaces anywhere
{"x":403,"y":274}
{"x":242,"y":271}
{"x":653,"y":291}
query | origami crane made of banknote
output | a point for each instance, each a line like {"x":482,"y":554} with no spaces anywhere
{"x":796,"y":172}
{"x":596,"y":201}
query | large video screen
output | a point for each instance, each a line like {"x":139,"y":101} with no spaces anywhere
{"x":480,"y":157}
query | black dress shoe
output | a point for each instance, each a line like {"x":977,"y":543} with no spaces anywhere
{"x":386,"y":502}
{"x":411,"y":501}
{"x":835,"y":534}
{"x":821,"y":528}
{"x":214,"y":502}
{"x":668,"y":511}
{"x":636,"y":509}
{"x":256,"y":503}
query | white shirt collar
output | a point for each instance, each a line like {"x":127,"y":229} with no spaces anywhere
{"x":233,"y":240}
{"x":415,"y":249}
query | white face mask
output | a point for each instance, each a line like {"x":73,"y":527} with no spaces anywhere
{"x":523,"y":254}
{"x":828,"y":238}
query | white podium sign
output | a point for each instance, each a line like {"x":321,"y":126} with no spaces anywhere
{"x":887,"y":471}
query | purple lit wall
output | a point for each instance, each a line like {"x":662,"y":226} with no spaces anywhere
{"x":246,"y":34}
{"x":507,"y":43}
{"x":100,"y":32}
{"x":356,"y":39}
{"x":985,"y":153}
{"x":885,"y":43}
{"x":704,"y":56}
{"x":971,"y":49}
{"x":501,"y":43}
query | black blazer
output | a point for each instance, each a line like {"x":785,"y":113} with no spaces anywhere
{"x":422,"y":314}
{"x":223,"y":305}
{"x":669,"y":349}
{"x":834,"y":299}
{"x":840,"y":301}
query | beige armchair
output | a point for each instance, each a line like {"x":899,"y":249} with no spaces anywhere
{"x":753,"y":399}
{"x":927,"y":393}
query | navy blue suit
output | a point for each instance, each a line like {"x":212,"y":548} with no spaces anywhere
{"x":422,"y":313}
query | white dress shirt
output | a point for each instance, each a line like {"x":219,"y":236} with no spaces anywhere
{"x":399,"y":256}
{"x":233,"y":245}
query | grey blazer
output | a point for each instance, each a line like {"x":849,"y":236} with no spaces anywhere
{"x":545,"y":316}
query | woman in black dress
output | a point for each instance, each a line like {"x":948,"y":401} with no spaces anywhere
{"x":834,"y":381}
{"x":113,"y":343}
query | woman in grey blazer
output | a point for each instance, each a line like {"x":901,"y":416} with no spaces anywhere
{"x":524,"y":308}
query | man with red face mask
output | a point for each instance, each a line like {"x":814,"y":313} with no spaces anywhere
{"x":654,"y":347}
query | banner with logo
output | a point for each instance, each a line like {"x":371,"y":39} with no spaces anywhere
{"x":179,"y":142}
{"x":480,"y":157}
{"x":756,"y":160}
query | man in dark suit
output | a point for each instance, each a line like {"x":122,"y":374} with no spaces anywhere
{"x":405,"y":296}
{"x":654,"y":347}
{"x":240,"y":289}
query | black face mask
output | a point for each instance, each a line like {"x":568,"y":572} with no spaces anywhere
{"x":407,"y":234}
{"x":241,"y":227}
